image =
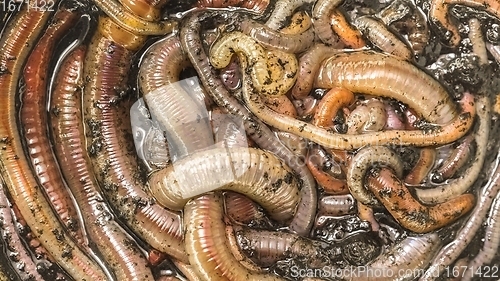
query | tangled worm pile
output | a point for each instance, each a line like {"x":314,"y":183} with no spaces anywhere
{"x":249,"y":140}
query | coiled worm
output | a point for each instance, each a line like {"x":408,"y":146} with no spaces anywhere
{"x":282,"y":10}
{"x":321,"y":21}
{"x":425,"y":162}
{"x":252,"y":172}
{"x":368,"y":116}
{"x":329,"y":106}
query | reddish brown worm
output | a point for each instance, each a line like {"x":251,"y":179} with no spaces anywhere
{"x":381,"y":37}
{"x":457,"y":159}
{"x":148,"y":10}
{"x":469,"y":176}
{"x":14,"y":166}
{"x":206,"y":242}
{"x":34,"y":122}
{"x":132,"y":22}
{"x":329,"y":106}
{"x":119,"y":252}
{"x":242,"y":209}
{"x":348,"y":34}
{"x":113,"y":156}
{"x":255,"y":173}
{"x":410,"y":213}
{"x":330,"y":183}
{"x":23,"y":262}
{"x":421,"y":169}
{"x":309,"y":64}
{"x":321,"y":21}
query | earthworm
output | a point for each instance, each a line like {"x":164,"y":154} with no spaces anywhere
{"x":410,"y":213}
{"x":457,"y":159}
{"x":494,"y":51}
{"x":349,"y":35}
{"x":477,"y":40}
{"x":316,"y":163}
{"x":231,"y":75}
{"x":282,"y":105}
{"x":491,"y":239}
{"x":425,"y":162}
{"x":242,"y":209}
{"x":273,"y":74}
{"x":228,"y":130}
{"x":450,"y":252}
{"x":133,"y":23}
{"x":258,"y":6}
{"x":369,"y":116}
{"x":282,"y":10}
{"x":187,"y":270}
{"x":395,"y":119}
{"x":34,"y":122}
{"x":267,"y":247}
{"x":469,"y":176}
{"x":309,"y":64}
{"x":381,"y":77}
{"x":437,"y":135}
{"x":336,"y":205}
{"x":329,"y":106}
{"x":395,"y":11}
{"x":364,"y":160}
{"x":144,"y":9}
{"x":276,"y":40}
{"x":255,"y":173}
{"x":366,"y":213}
{"x":206,"y":243}
{"x":378,"y":34}
{"x":113,"y":157}
{"x":14,"y":166}
{"x":118,"y":250}
{"x":295,"y":143}
{"x":185,"y":121}
{"x":306,"y":107}
{"x":321,"y":21}
{"x":300,"y":22}
{"x":24,"y":264}
{"x":258,"y":132}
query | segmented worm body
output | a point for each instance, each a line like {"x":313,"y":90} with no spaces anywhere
{"x":457,"y":159}
{"x":425,"y":162}
{"x":258,"y":6}
{"x":347,"y":33}
{"x":27,"y":195}
{"x":148,"y":10}
{"x":336,"y":205}
{"x":321,"y":20}
{"x":329,"y":106}
{"x":113,"y":157}
{"x":242,"y":209}
{"x":282,"y":10}
{"x":469,"y":176}
{"x":118,"y":250}
{"x":326,"y":172}
{"x":255,"y":173}
{"x":369,"y":116}
{"x":477,"y":40}
{"x":206,"y":242}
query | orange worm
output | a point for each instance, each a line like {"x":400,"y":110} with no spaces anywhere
{"x":299,"y":23}
{"x":422,"y":167}
{"x":144,"y":8}
{"x":349,"y":35}
{"x":410,"y":213}
{"x":329,"y":106}
{"x":14,"y":166}
{"x":328,"y":182}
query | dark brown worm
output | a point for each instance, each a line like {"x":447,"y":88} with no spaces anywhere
{"x":255,"y":173}
{"x":119,"y":252}
{"x":275,"y":40}
{"x":34,"y":122}
{"x":206,"y":243}
{"x":410,"y":213}
{"x":258,"y":132}
{"x":258,"y":6}
{"x":336,"y":205}
{"x":181,"y":116}
{"x":378,"y":34}
{"x":321,"y":20}
{"x":20,"y":257}
{"x":425,"y":162}
{"x":14,"y":166}
{"x":457,"y":159}
{"x":110,"y":148}
{"x":348,"y":34}
{"x":267,"y":247}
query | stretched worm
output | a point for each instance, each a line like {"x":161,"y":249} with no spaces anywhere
{"x":364,"y":160}
{"x":133,"y":23}
{"x":309,"y":64}
{"x":276,"y":40}
{"x":267,"y":247}
{"x":336,"y":205}
{"x":469,"y":176}
{"x":369,"y":116}
{"x":14,"y":166}
{"x":321,"y":21}
{"x":378,"y":34}
{"x":144,"y":8}
{"x":255,"y":173}
{"x":34,"y":119}
{"x":457,"y":159}
{"x":477,"y":40}
{"x":282,"y":10}
{"x":273,"y":74}
{"x":206,"y":243}
{"x":258,"y":6}
{"x":258,"y":132}
{"x":491,"y":239}
{"x":329,"y":106}
{"x":421,"y":169}
{"x":330,"y":182}
{"x":183,"y":119}
{"x":450,"y":252}
{"x":120,"y":252}
{"x":23,"y":263}
{"x":113,"y":157}
{"x":349,"y":35}
{"x":410,"y":213}
{"x":395,"y":11}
